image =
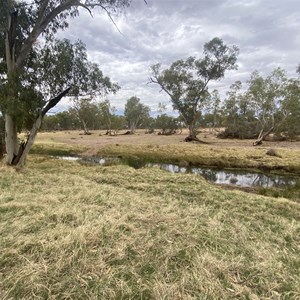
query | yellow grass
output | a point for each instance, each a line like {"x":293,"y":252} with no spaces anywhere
{"x":69,"y":231}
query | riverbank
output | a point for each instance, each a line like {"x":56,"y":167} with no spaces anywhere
{"x":171,"y":149}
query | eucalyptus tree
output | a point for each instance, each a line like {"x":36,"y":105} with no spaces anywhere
{"x":106,"y":112}
{"x":167,"y":124}
{"x":108,"y":118}
{"x":57,"y":66}
{"x":238,"y":114}
{"x":186,"y":81}
{"x":267,"y":105}
{"x":87,"y":113}
{"x":291,"y":124}
{"x":135,"y":113}
{"x":22,"y":23}
{"x":268,"y":97}
{"x":214,"y":109}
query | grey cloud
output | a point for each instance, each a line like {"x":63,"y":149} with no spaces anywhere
{"x":267,"y":33}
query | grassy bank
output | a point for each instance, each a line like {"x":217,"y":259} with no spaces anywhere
{"x":206,"y":155}
{"x":88,"y":232}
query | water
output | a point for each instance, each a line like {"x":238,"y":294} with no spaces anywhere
{"x":232,"y":177}
{"x":228,"y":177}
{"x":107,"y":161}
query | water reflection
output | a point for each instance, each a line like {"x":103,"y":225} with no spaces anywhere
{"x":232,"y":177}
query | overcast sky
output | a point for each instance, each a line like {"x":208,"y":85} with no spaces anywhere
{"x":267,"y":33}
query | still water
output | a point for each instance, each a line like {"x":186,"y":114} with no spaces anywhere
{"x":233,"y":177}
{"x":239,"y":178}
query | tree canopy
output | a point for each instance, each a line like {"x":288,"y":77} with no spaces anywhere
{"x":135,"y":113}
{"x":270,"y":104}
{"x":186,"y":81}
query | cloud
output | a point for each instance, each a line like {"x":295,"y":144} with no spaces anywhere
{"x":267,"y":33}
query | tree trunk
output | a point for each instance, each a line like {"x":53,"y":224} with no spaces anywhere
{"x":192,"y":132}
{"x":132,"y":127}
{"x":17,"y":154}
{"x":11,"y":134}
{"x":25,"y":147}
{"x":262,"y":136}
{"x":11,"y":139}
{"x":85,"y":128}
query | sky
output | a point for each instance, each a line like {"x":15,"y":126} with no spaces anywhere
{"x":267,"y":33}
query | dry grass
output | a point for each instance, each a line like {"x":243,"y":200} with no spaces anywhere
{"x":88,"y":232}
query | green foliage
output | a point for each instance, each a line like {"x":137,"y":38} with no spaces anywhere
{"x":87,"y":113}
{"x":61,"y":64}
{"x":186,"y":82}
{"x":135,"y":113}
{"x":167,"y":124}
{"x":270,"y":104}
{"x":238,"y":114}
{"x":53,"y":68}
{"x":61,"y":121}
{"x":106,"y":114}
{"x":291,"y":105}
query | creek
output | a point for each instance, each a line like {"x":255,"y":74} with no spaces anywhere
{"x":240,"y":178}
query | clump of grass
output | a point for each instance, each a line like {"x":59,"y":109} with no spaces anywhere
{"x":292,"y":192}
{"x":89,"y":232}
{"x":56,"y":149}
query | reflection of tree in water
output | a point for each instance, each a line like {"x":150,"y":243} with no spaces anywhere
{"x":234,"y":177}
{"x":208,"y":174}
{"x":272,"y":181}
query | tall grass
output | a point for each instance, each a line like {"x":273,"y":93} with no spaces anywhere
{"x":89,"y":232}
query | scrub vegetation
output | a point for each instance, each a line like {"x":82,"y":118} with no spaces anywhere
{"x":70,"y":231}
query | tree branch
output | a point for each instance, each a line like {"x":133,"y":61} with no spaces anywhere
{"x":107,"y":12}
{"x":161,"y":85}
{"x":39,"y":27}
{"x":54,"y":101}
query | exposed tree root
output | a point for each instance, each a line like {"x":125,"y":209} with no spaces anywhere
{"x":194,"y":139}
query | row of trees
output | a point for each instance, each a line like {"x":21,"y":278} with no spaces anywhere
{"x":88,"y":115}
{"x":265,"y":105}
{"x":253,"y":110}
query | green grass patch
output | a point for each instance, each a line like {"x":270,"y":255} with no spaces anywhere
{"x":56,"y":149}
{"x":292,"y":193}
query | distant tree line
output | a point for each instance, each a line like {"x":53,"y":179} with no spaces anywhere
{"x":88,"y":115}
{"x":262,"y":106}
